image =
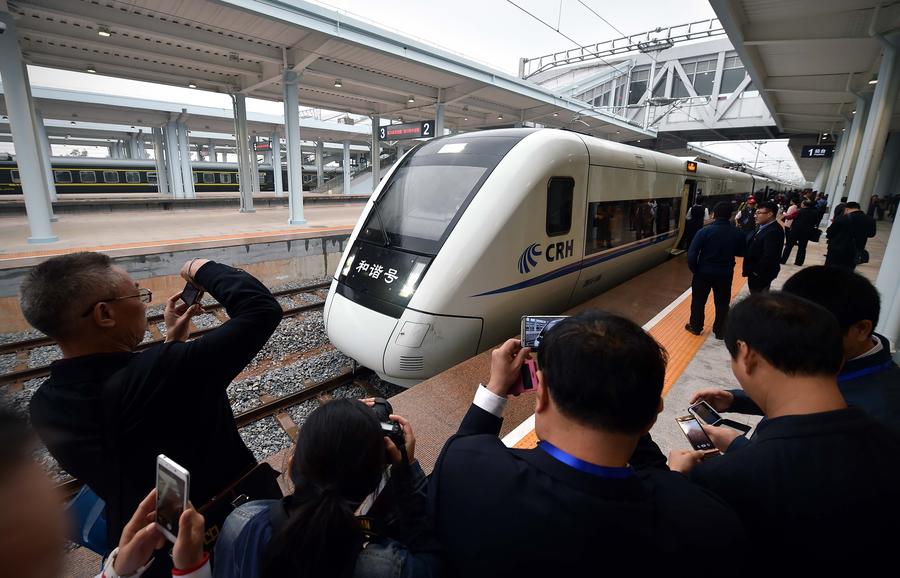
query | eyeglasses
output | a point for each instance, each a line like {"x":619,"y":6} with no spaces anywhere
{"x":145,"y":295}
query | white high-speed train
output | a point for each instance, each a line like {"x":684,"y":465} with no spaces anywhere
{"x":470,"y":232}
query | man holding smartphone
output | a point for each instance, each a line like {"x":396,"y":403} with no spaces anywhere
{"x":106,"y":412}
{"x":596,"y":491}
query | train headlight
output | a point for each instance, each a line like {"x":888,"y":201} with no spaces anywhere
{"x":348,"y":264}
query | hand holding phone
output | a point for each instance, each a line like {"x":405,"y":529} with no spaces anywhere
{"x":695,"y":434}
{"x":191,"y":294}
{"x":534,"y":327}
{"x":705,"y":413}
{"x":528,"y":380}
{"x":172,"y":489}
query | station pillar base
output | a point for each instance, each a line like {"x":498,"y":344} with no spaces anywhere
{"x":40,"y":240}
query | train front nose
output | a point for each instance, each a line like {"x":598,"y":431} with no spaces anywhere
{"x":358,"y":331}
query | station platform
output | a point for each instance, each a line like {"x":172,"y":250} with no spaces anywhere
{"x":108,"y":203}
{"x":136,"y":232}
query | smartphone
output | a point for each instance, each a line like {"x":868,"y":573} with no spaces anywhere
{"x":695,"y":434}
{"x":191,"y":294}
{"x":528,"y":380}
{"x":172,"y":488}
{"x":705,"y":413}
{"x":534,"y":325}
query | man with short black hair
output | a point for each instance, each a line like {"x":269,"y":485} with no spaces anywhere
{"x":762,"y":261}
{"x":711,"y":260}
{"x":106,"y":412}
{"x":817,"y":485}
{"x":847,"y":237}
{"x":596,"y":489}
{"x":805,"y":223}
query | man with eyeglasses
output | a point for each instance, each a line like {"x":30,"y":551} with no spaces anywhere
{"x":107,"y":410}
{"x":762,"y":261}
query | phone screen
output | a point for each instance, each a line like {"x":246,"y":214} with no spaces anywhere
{"x":705,"y":412}
{"x":190,"y":294}
{"x":695,"y":434}
{"x":533,"y":325}
{"x":171,"y":496}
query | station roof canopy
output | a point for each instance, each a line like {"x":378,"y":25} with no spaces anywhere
{"x":347,"y":65}
{"x":77,"y":106}
{"x":810,"y":58}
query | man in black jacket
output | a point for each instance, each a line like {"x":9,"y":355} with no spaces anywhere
{"x":711,"y":260}
{"x":869,"y":379}
{"x":801,"y":485}
{"x":801,"y":231}
{"x":847,"y":237}
{"x":763,"y":258}
{"x":595,"y":493}
{"x":106,"y":412}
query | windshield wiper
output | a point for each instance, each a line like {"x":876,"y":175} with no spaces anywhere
{"x":387,"y":239}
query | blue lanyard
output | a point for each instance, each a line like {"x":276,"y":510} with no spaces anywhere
{"x":865,"y":371}
{"x":586,"y":467}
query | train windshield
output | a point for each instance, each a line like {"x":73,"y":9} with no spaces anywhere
{"x":427,"y":194}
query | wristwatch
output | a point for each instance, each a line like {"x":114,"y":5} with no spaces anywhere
{"x":109,"y":569}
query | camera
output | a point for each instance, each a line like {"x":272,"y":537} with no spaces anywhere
{"x":391,"y":429}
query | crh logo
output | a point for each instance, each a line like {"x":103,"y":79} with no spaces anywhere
{"x":528,"y":258}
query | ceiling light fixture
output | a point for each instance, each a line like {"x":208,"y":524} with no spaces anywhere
{"x":338,"y":83}
{"x":91,"y":70}
{"x":411,"y":99}
{"x":852,"y":112}
{"x":465,"y":118}
{"x":104,"y":31}
{"x":555,"y":114}
{"x":499,"y":117}
{"x":874,"y":80}
{"x":71,"y":122}
{"x":192,"y":85}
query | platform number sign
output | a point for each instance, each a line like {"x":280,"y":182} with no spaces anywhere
{"x":817,"y":151}
{"x":408,"y":130}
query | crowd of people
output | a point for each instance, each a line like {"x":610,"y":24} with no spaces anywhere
{"x":813,"y":489}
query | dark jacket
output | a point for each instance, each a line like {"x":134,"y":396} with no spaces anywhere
{"x":817,"y":492}
{"x":169,"y":399}
{"x":714,"y":248}
{"x":763,"y":256}
{"x":806,"y":220}
{"x":849,"y":233}
{"x":515,"y":512}
{"x":871,"y":383}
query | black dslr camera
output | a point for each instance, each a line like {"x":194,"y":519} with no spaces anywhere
{"x":391,"y":429}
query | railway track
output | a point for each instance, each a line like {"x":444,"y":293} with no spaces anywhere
{"x":23,"y":346}
{"x":267,"y":409}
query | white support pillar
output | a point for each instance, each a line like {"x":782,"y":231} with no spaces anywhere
{"x":887,"y":285}
{"x":162,"y":179}
{"x":254,"y":164}
{"x":439,"y":119}
{"x":275,"y":141}
{"x":345,"y":165}
{"x":851,"y":152}
{"x":21,"y":124}
{"x":878,"y":124}
{"x":822,"y":176}
{"x":46,"y":159}
{"x":320,"y":163}
{"x":887,"y":171}
{"x":211,"y":151}
{"x":376,"y":152}
{"x":840,"y":146}
{"x":243,"y":157}
{"x":187,"y":173}
{"x":173,"y":160}
{"x":292,"y":141}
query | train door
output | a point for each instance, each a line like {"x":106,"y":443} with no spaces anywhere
{"x":688,"y":196}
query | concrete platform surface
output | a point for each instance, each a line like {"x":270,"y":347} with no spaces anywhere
{"x":96,"y":231}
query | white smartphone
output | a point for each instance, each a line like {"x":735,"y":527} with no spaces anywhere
{"x":173,"y":484}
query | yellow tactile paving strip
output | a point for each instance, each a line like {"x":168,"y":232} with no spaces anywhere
{"x":681,"y":345}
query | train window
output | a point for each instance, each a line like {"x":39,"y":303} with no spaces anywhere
{"x":152,"y":177}
{"x":196,"y":177}
{"x":15,"y":176}
{"x":559,"y":205}
{"x":619,"y":223}
{"x":132,"y":177}
{"x":87,"y":176}
{"x":110,"y":176}
{"x":225,"y":178}
{"x":209,"y":178}
{"x":62,"y":176}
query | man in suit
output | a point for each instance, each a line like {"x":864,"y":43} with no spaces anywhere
{"x":817,"y":483}
{"x":763,"y":259}
{"x":711,"y":260}
{"x":596,"y":491}
{"x":847,"y":237}
{"x":805,"y":222}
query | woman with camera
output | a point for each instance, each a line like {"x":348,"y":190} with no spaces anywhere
{"x":340,"y":460}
